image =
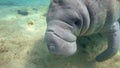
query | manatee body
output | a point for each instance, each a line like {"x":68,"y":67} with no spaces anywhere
{"x":68,"y":19}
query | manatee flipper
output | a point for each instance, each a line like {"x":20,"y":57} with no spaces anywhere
{"x":113,"y":36}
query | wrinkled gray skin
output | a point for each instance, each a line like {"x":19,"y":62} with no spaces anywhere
{"x":67,"y":19}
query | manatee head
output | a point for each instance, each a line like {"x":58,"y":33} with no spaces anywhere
{"x":60,"y":38}
{"x":64,"y":24}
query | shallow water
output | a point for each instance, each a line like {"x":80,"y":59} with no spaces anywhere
{"x":23,"y":2}
{"x":22,"y":28}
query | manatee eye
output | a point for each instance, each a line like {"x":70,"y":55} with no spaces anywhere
{"x":78,"y":23}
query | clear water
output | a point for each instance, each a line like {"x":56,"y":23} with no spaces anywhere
{"x":22,"y":20}
{"x":23,"y":2}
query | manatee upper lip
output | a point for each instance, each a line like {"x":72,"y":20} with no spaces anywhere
{"x":52,"y":31}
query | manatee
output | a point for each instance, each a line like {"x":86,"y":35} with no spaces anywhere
{"x":69,"y":19}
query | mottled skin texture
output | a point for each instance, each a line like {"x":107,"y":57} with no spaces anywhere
{"x":67,"y":19}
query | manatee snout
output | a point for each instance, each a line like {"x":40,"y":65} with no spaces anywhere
{"x":59,"y":39}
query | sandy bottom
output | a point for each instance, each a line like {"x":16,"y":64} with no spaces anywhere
{"x":22,"y":43}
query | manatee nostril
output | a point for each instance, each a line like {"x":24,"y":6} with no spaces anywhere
{"x":50,"y":30}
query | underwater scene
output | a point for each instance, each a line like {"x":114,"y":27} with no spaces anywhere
{"x":22,"y":40}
